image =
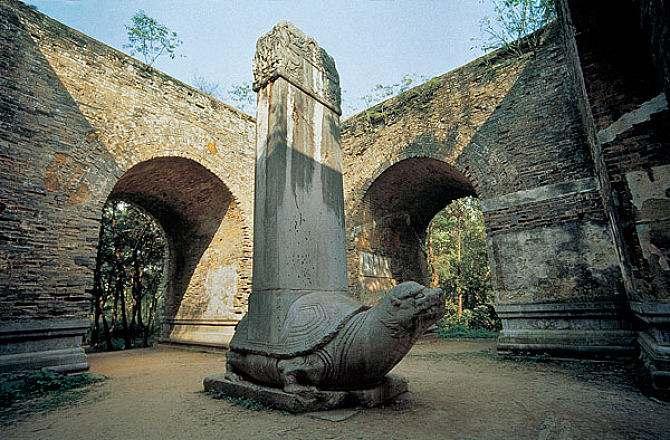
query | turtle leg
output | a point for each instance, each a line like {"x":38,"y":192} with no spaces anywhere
{"x":297,"y":375}
{"x":232,"y":371}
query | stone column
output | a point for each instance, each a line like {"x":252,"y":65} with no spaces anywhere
{"x":299,"y":242}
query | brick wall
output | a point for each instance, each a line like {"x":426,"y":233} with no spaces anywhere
{"x":80,"y":121}
{"x":505,"y":128}
{"x":620,"y":65}
{"x":625,"y":94}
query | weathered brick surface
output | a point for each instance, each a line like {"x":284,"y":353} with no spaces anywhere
{"x":643,"y":152}
{"x":624,"y":105}
{"x":618,"y":88}
{"x":583,"y":207}
{"x":80,"y":122}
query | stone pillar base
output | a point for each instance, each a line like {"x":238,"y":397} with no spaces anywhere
{"x":215,"y":333}
{"x":274,"y":398}
{"x":588,"y":330}
{"x":654,"y":343}
{"x":52,"y":344}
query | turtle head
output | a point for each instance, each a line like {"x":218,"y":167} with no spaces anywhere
{"x":410,"y":308}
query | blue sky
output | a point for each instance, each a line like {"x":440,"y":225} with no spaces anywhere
{"x":373,"y":42}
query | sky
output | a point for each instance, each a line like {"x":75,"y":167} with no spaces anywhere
{"x":372,"y":41}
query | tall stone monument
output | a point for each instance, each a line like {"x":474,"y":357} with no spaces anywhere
{"x":299,"y":243}
{"x":305,"y":344}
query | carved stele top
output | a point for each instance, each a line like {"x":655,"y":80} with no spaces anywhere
{"x":287,"y":52}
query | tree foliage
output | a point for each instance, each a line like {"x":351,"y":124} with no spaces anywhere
{"x":243,"y":97}
{"x":240,"y":95}
{"x":380,"y":92}
{"x":150,"y":39}
{"x":516,"y":19}
{"x":458,"y":258}
{"x":206,"y":85}
{"x":128,"y":288}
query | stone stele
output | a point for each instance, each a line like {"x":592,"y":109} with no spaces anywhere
{"x":305,"y":344}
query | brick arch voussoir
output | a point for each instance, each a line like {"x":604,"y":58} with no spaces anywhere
{"x":207,"y":162}
{"x":437,"y":153}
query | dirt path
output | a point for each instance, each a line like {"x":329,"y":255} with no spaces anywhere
{"x":460,"y":390}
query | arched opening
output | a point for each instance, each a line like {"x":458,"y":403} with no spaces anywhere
{"x":206,"y":276}
{"x":396,"y":211}
{"x":459,"y":263}
{"x":129,"y":285}
{"x":403,"y":212}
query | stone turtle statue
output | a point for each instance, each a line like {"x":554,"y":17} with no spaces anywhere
{"x":332,"y":342}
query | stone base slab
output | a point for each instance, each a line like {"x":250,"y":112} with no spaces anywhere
{"x":655,"y":359}
{"x":334,"y":415}
{"x":37,"y":344}
{"x":570,"y":344}
{"x":199,"y":332}
{"x":654,"y":343}
{"x":63,"y":361}
{"x":595,"y":329}
{"x":275,"y":398}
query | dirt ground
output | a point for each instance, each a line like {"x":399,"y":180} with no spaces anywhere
{"x":460,"y":390}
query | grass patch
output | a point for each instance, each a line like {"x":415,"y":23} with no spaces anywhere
{"x":19,"y":387}
{"x":460,"y":331}
{"x":465,"y":356}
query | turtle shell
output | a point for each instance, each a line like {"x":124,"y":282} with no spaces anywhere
{"x":312,"y":321}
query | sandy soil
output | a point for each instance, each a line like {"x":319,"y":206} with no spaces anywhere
{"x":460,"y":390}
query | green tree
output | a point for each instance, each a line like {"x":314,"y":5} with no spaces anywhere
{"x":458,"y":258}
{"x":380,"y":92}
{"x":150,"y":39}
{"x":128,"y":288}
{"x":516,"y":19}
{"x":206,"y":85}
{"x":243,"y":97}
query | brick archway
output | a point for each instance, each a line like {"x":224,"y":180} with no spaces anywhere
{"x":392,"y":218}
{"x":207,"y":270}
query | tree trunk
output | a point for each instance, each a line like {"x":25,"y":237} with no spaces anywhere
{"x":120,"y":301}
{"x":137,"y":293}
{"x":124,"y":318}
{"x":148,"y":329}
{"x":108,"y":333}
{"x":137,"y":299}
{"x":146,"y":332}
{"x":459,"y":271}
{"x":115,"y":309}
{"x":95,"y":336}
{"x":97,"y":299}
{"x":434,"y":276}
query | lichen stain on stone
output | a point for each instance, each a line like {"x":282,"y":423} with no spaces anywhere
{"x":211,"y":147}
{"x":80,"y":195}
{"x":92,"y":136}
{"x":64,"y":175}
{"x":52,"y":175}
{"x":220,"y":289}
